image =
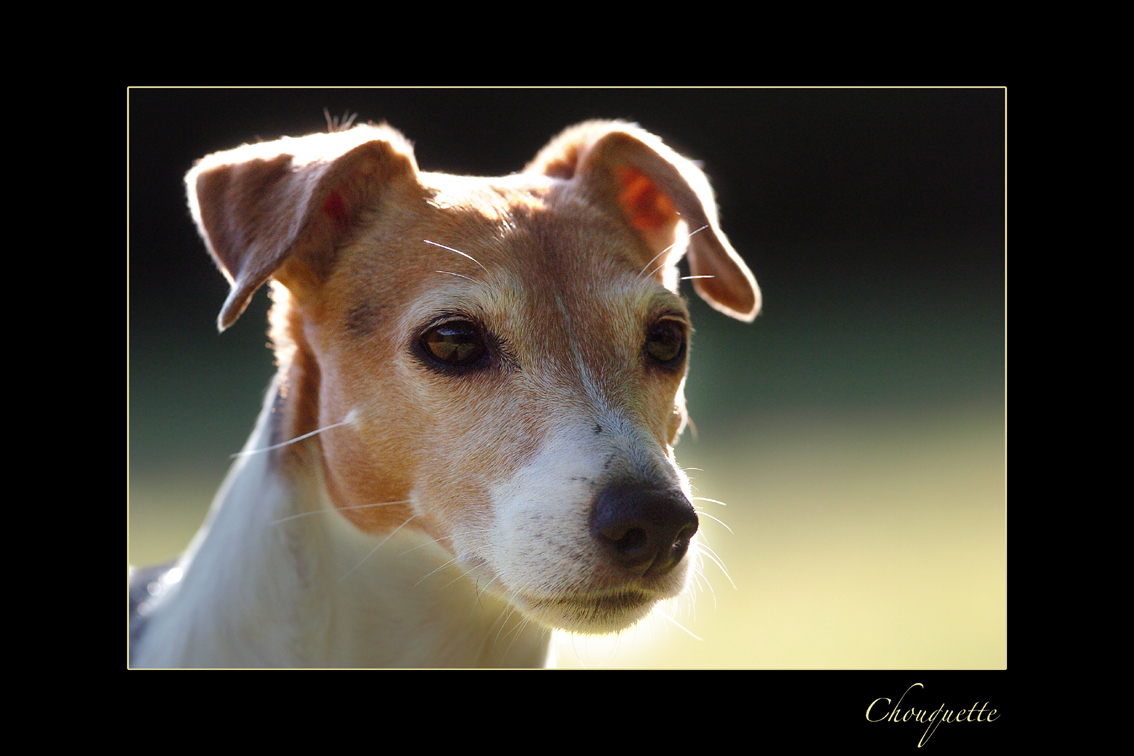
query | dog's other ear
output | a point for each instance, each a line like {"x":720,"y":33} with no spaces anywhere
{"x":655,"y":188}
{"x":260,"y":205}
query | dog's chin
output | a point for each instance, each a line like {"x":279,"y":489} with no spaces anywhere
{"x":591,"y":614}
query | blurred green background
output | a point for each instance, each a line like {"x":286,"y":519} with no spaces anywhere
{"x":855,"y":433}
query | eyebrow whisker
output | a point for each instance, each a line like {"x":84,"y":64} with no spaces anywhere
{"x":459,"y":252}
{"x":458,"y":275}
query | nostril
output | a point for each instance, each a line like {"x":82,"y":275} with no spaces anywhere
{"x":646,"y":530}
{"x":634,"y":542}
{"x":681,"y":543}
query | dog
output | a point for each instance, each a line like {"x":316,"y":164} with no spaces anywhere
{"x":469,"y":440}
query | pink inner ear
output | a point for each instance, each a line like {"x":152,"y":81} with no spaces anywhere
{"x":645,"y":207}
{"x":336,"y":208}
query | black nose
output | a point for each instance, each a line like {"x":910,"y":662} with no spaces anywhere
{"x":646,"y":530}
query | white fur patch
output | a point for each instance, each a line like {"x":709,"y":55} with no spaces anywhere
{"x":540,"y":548}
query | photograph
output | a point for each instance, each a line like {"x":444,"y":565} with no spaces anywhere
{"x":596,"y":378}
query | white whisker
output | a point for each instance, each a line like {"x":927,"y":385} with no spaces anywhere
{"x":667,"y":249}
{"x":702,"y":579}
{"x":672,"y":621}
{"x":694,"y":233}
{"x":480,"y":589}
{"x":708,"y":552}
{"x":458,"y":275}
{"x":711,"y":501}
{"x":345,"y":421}
{"x":459,"y":576}
{"x":433,"y":572}
{"x":371,"y":552}
{"x":504,"y":616}
{"x":421,"y":545}
{"x":459,"y":252}
{"x":516,"y":631}
{"x":332,"y":509}
{"x":651,"y":262}
{"x":690,"y":278}
{"x":656,"y":270}
{"x":703,"y":513}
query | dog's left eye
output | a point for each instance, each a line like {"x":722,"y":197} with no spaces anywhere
{"x":665,"y":342}
{"x":457,"y":343}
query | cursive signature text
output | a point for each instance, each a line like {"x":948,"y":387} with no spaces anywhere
{"x":880,"y":710}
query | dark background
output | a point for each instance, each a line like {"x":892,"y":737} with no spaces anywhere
{"x":874,"y":220}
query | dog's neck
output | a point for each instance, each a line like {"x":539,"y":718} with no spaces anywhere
{"x":276,"y":578}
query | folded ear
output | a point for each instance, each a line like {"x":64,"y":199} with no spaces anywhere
{"x":262,"y":205}
{"x":657,"y":191}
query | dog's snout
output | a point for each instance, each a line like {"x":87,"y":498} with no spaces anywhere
{"x":645,"y":530}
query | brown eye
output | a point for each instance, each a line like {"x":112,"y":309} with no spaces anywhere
{"x":457,"y":343}
{"x":665,"y":342}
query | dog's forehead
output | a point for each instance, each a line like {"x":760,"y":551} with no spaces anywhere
{"x":530,"y":221}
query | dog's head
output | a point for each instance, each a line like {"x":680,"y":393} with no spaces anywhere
{"x":508,"y":354}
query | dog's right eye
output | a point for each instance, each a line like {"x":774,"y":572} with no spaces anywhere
{"x":456,"y":343}
{"x":665,"y":343}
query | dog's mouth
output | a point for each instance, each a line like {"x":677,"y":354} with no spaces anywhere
{"x":595,"y":611}
{"x":592,"y":613}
